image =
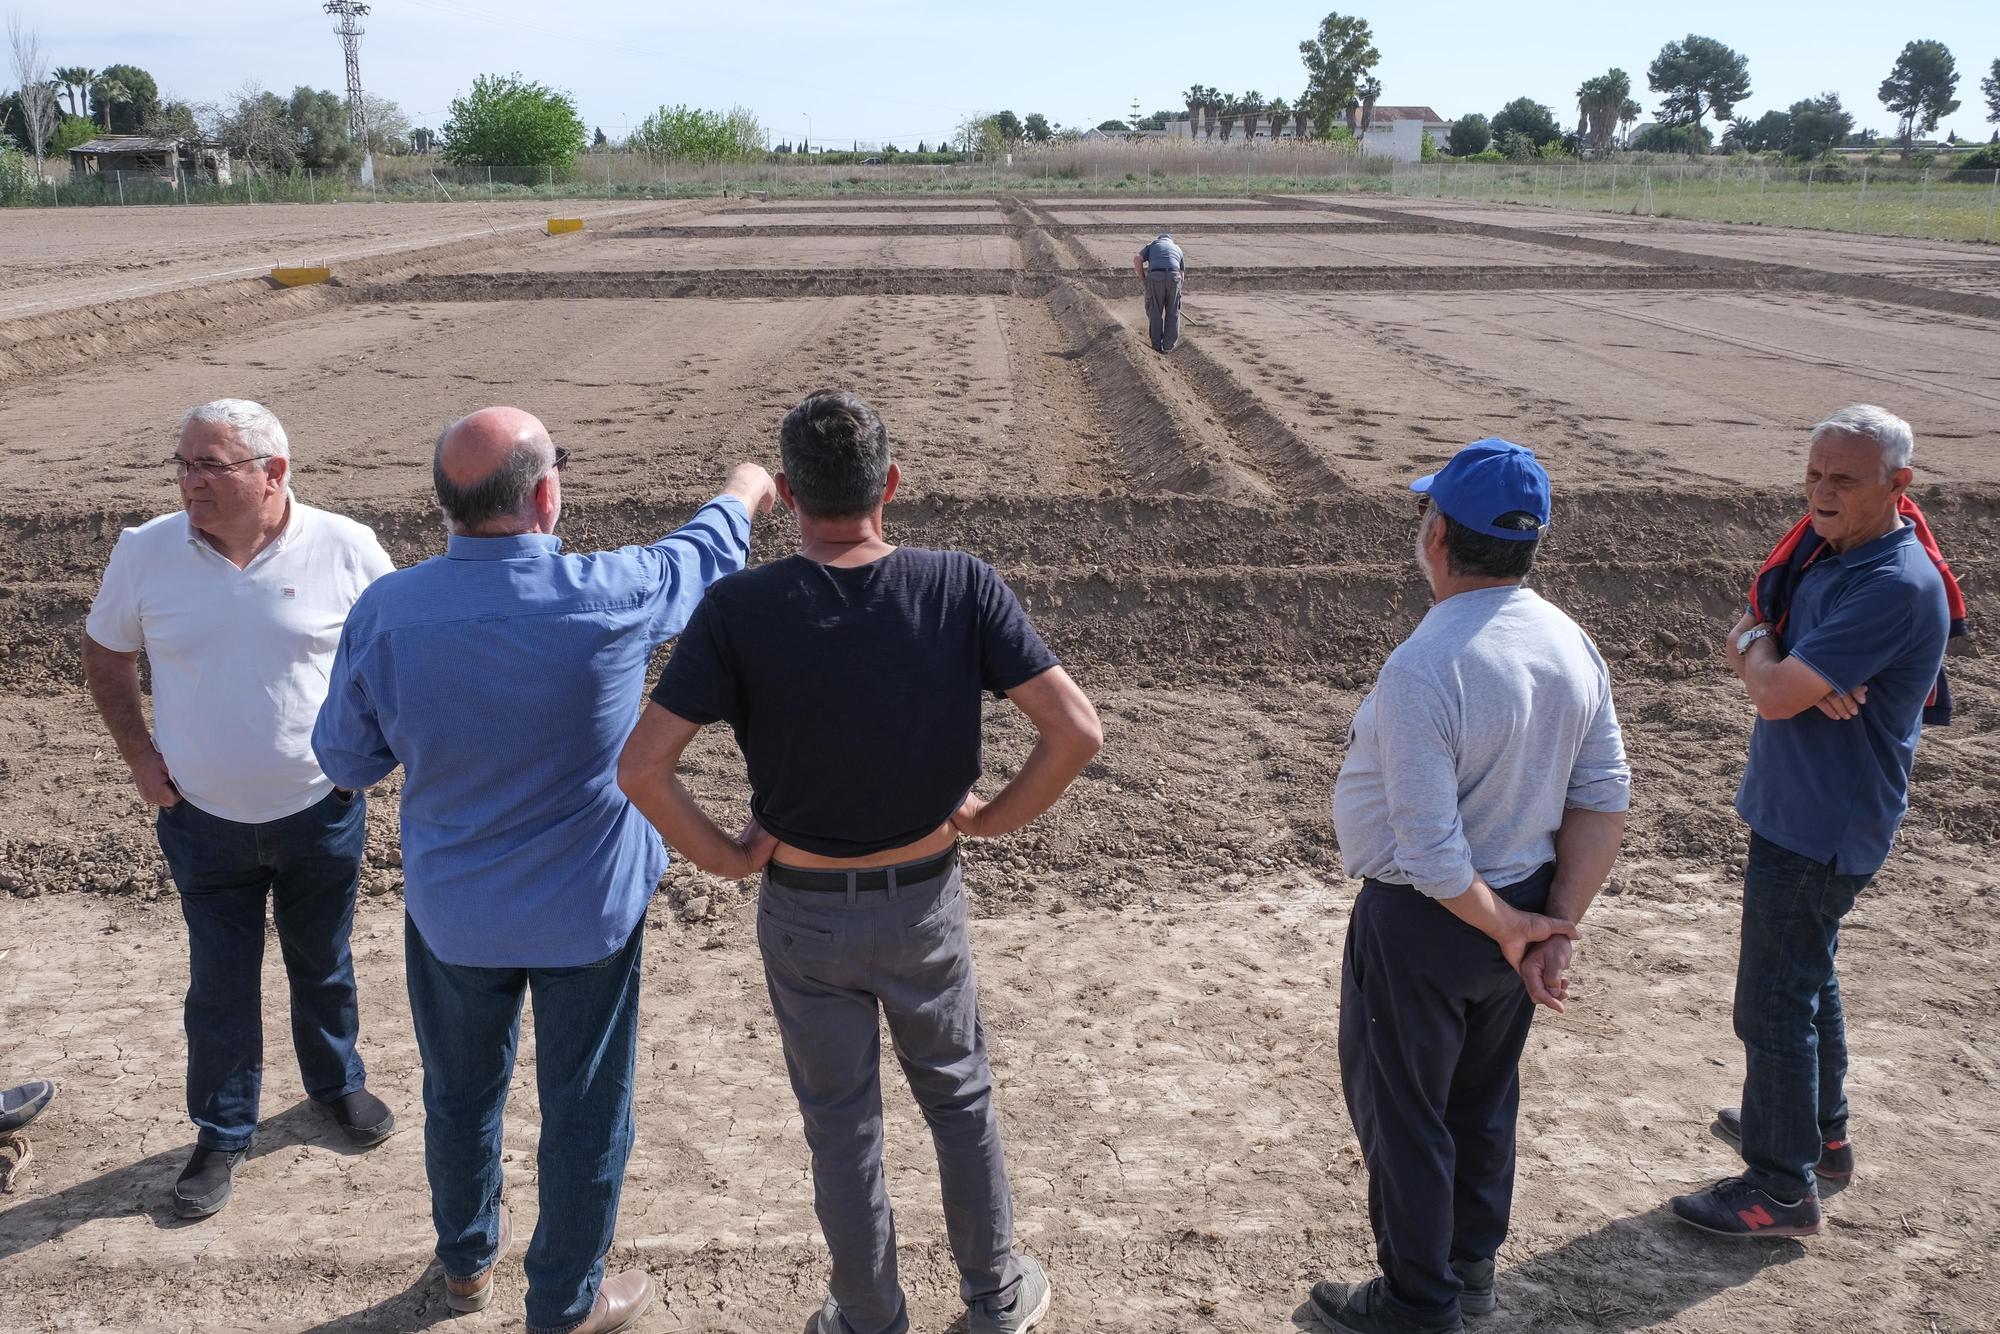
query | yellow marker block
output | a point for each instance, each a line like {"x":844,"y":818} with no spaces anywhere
{"x":559,"y":225}
{"x":300,"y":277}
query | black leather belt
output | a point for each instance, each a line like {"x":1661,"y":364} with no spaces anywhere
{"x":875,"y":877}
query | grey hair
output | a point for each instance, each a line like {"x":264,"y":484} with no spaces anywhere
{"x":500,"y":494}
{"x":1890,"y":433}
{"x":255,"y":425}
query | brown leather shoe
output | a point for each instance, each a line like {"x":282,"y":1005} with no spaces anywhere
{"x":472,"y":1294}
{"x":622,"y":1299}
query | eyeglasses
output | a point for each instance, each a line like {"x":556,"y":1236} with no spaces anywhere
{"x":210,"y":467}
{"x":562,"y":458}
{"x":1423,"y":506}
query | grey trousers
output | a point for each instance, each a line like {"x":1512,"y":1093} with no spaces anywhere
{"x":1163,"y":308}
{"x":833,"y":961}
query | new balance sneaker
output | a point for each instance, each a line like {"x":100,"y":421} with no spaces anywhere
{"x":1024,"y":1312}
{"x":23,"y":1103}
{"x":1475,"y":1284}
{"x":1361,"y":1308}
{"x":1733,"y":1207}
{"x":1836,"y":1156}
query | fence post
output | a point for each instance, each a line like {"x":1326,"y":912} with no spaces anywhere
{"x":1809,"y":185}
{"x":1861,"y":200}
{"x":312,"y":191}
{"x":1718,"y":193}
{"x":1924,"y":204}
{"x":121,"y":189}
{"x":1763,"y":179}
{"x":1992,"y":199}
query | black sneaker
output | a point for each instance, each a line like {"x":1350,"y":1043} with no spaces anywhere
{"x":1836,"y":1156}
{"x":23,"y":1103}
{"x":1475,"y":1281}
{"x":364,"y":1117}
{"x":1733,"y":1207}
{"x":1359,"y":1308}
{"x":204,"y":1185}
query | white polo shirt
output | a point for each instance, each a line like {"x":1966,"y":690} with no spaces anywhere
{"x":239,"y":657}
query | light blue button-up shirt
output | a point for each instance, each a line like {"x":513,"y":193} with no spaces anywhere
{"x":504,"y":676}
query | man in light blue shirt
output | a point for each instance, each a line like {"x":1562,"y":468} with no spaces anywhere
{"x":1160,"y":265}
{"x":504,"y":677}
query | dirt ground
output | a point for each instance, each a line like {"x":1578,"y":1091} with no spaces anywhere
{"x":1216,"y":543}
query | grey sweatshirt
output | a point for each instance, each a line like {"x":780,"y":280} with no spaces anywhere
{"x":1485,"y":724}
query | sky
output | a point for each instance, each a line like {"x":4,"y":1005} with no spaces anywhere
{"x":901,"y":71}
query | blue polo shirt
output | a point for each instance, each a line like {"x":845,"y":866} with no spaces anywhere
{"x":1836,"y":791}
{"x":504,"y":676}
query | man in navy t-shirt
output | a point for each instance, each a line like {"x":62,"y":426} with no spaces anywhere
{"x":1839,"y":688}
{"x":853,"y":675}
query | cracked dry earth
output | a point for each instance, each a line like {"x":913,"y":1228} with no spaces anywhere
{"x":1216,"y":544}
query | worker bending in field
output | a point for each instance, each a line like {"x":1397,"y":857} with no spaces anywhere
{"x":1160,"y":266}
{"x":852,"y":675}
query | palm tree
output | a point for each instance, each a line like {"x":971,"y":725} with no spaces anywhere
{"x":1279,"y":111}
{"x":1194,"y":96}
{"x":75,"y":81}
{"x":1370,"y":92}
{"x":1628,"y":116}
{"x":108,"y":91}
{"x":1599,"y":102}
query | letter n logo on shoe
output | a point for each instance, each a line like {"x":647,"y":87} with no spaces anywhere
{"x":1758,"y":1217}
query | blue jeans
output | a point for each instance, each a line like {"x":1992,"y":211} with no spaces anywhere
{"x":468,"y":1023}
{"x":1788,"y":1015}
{"x":308,"y":864}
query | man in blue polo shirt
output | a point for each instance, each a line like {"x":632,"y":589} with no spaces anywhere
{"x":1839,"y":690}
{"x":503,"y":677}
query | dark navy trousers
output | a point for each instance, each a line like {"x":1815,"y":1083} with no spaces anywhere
{"x":1432,"y":1023}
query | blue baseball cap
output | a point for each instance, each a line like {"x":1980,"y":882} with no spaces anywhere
{"x":1488,"y":481}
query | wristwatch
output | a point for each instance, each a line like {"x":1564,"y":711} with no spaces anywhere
{"x":1751,"y":636}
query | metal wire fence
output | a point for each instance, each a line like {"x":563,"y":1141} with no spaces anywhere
{"x":1866,"y":199}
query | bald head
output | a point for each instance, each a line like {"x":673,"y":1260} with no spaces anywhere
{"x":489,"y":468}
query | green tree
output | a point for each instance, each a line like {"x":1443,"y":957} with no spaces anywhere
{"x":1113,"y":127}
{"x":123,"y":98}
{"x":1469,"y":135}
{"x":1695,"y":77}
{"x":71,"y":131}
{"x":1010,"y":127}
{"x":692,"y":134}
{"x":510,"y":121}
{"x":388,"y":126}
{"x":1769,"y":133}
{"x":1990,"y":85}
{"x":318,"y":121}
{"x":1599,"y":102}
{"x":1920,"y":89}
{"x":1662,"y":138}
{"x":1528,"y":119}
{"x":1036,"y":128}
{"x":75,"y":81}
{"x":1817,"y":124}
{"x":1337,"y":60}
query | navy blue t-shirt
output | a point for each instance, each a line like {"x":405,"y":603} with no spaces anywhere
{"x":1836,"y":791}
{"x":855,"y":694}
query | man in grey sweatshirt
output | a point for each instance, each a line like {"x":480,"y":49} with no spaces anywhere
{"x":1482,"y":802}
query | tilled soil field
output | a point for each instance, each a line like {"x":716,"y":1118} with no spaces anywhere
{"x":1216,"y":542}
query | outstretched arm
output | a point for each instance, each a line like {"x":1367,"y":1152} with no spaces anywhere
{"x":649,"y":775}
{"x":1070,"y":738}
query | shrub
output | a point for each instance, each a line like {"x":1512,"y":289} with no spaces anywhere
{"x":509,"y":121}
{"x":1983,"y":159}
{"x":17,"y":176}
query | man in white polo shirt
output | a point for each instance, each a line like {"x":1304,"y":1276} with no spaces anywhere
{"x":237,"y":603}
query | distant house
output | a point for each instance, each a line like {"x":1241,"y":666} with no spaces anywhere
{"x":1392,"y":131}
{"x":144,"y":157}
